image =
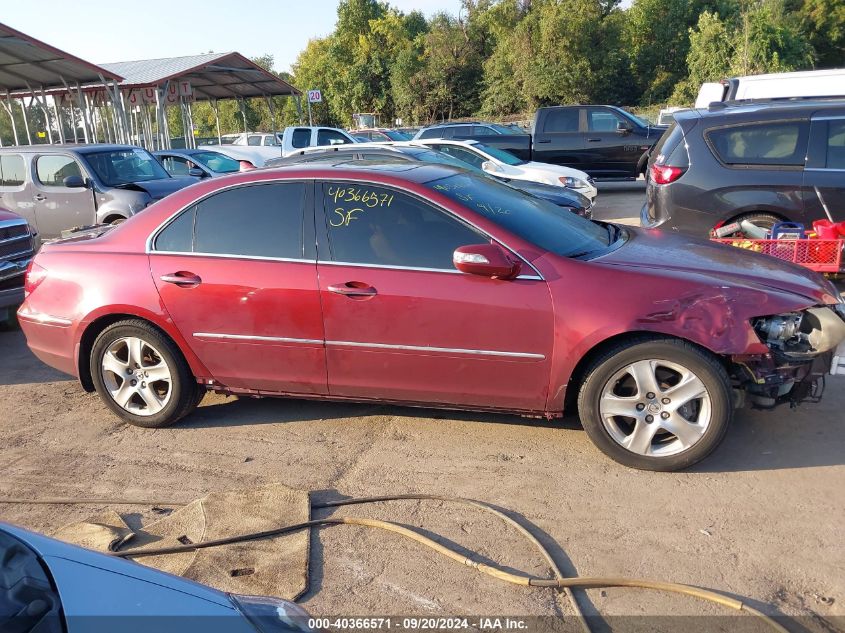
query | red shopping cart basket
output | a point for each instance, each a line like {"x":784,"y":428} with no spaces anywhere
{"x":823,"y":256}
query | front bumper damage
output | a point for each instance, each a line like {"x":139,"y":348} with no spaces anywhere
{"x":804,"y":347}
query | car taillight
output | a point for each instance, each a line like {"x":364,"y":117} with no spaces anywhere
{"x":246,"y":165}
{"x":664,"y":174}
{"x":35,"y":274}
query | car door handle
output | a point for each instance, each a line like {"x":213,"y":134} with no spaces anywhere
{"x":182,"y":279}
{"x":545,"y":140}
{"x":593,"y":140}
{"x":353,"y":289}
{"x":39,"y":197}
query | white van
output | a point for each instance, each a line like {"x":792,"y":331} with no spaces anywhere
{"x":810,"y":83}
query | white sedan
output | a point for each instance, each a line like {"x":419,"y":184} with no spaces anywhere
{"x":502,"y":163}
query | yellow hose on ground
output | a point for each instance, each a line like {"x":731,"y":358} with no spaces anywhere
{"x":559,"y":582}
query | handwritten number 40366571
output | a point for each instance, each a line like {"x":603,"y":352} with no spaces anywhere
{"x":366,"y":197}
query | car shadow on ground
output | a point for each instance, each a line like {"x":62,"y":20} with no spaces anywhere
{"x":18,"y":366}
{"x":807,"y":437}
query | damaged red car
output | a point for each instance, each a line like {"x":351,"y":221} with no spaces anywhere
{"x":428,"y":285}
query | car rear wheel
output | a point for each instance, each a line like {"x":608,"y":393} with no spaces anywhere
{"x":659,"y":404}
{"x":142,"y":376}
{"x":763,"y":221}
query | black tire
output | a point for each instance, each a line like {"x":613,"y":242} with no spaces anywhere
{"x":115,"y":220}
{"x":705,"y":366}
{"x":184,"y":392}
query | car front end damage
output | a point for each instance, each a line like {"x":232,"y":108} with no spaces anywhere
{"x":804,"y":347}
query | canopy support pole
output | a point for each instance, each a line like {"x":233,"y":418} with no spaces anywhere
{"x":25,"y":122}
{"x":7,"y":106}
{"x":216,"y":108}
{"x":272,"y":106}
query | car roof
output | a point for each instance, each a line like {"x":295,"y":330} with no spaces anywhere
{"x":414,"y":172}
{"x":80,"y":148}
{"x":774,"y":106}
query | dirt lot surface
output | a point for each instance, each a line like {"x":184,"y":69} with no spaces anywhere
{"x":762,"y":518}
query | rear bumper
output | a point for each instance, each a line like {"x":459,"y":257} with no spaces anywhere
{"x":50,"y":338}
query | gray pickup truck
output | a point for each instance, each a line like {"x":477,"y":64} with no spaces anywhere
{"x":58,"y":187}
{"x":17,"y":247}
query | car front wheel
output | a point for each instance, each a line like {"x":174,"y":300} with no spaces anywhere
{"x":659,"y":404}
{"x":141,"y":375}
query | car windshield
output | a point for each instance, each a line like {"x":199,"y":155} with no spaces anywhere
{"x":396,"y":135}
{"x":540,"y":222}
{"x":433,"y":156}
{"x":123,"y":166}
{"x":505,"y":129}
{"x":216,"y":162}
{"x":635,"y":118}
{"x":501,"y":155}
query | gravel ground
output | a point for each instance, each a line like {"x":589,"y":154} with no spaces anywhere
{"x":762,"y":518}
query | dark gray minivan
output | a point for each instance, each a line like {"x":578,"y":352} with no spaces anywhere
{"x":58,"y":187}
{"x":761,"y":162}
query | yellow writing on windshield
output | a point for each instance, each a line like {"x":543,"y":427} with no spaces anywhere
{"x":365,"y":196}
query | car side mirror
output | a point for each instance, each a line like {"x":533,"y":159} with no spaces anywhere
{"x":489,"y":166}
{"x":196,"y":172}
{"x":75,"y":182}
{"x":487,"y":260}
{"x":623,"y":127}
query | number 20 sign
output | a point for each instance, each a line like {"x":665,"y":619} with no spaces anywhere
{"x":314,"y":96}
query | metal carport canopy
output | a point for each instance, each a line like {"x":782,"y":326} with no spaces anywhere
{"x":28,"y":64}
{"x":211,"y":76}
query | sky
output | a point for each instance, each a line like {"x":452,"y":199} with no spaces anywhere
{"x":101,"y":31}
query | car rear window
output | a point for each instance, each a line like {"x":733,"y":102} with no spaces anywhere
{"x":771,"y":143}
{"x":671,"y":148}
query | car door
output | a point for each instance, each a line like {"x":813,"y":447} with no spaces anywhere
{"x":611,"y":151}
{"x":824,"y":176}
{"x":177,"y":165}
{"x":561,"y":139}
{"x":234,"y":274}
{"x":58,"y":207}
{"x":401,"y":323}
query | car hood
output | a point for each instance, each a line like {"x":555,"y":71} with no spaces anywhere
{"x":158,"y":189}
{"x":654,"y":249}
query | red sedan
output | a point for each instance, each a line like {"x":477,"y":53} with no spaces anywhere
{"x":427,"y":285}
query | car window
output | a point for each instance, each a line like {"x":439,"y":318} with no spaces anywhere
{"x":502,"y":155}
{"x":12,"y":170}
{"x":257,"y":220}
{"x":775,"y":143}
{"x":253,"y":139}
{"x":331,"y":137}
{"x":382,"y":226}
{"x":479,"y":130}
{"x":561,"y":120}
{"x":835,"y":145}
{"x":437,"y":132}
{"x":460,"y":130}
{"x":301,"y":137}
{"x":53,"y":169}
{"x":462,"y":154}
{"x":602,"y":121}
{"x":176,"y":165}
{"x":269,"y":140}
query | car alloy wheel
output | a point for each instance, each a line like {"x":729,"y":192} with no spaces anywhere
{"x":655,"y":408}
{"x":136,"y":376}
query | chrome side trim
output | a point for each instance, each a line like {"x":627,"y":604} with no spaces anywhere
{"x":439,"y":350}
{"x":266,"y":339}
{"x":233,"y":256}
{"x":44,"y":319}
{"x":833,"y":169}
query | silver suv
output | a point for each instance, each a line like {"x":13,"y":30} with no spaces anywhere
{"x":58,"y":187}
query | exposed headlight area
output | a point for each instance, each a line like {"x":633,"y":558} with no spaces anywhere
{"x":272,"y":615}
{"x":805,"y":334}
{"x":572,"y":183}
